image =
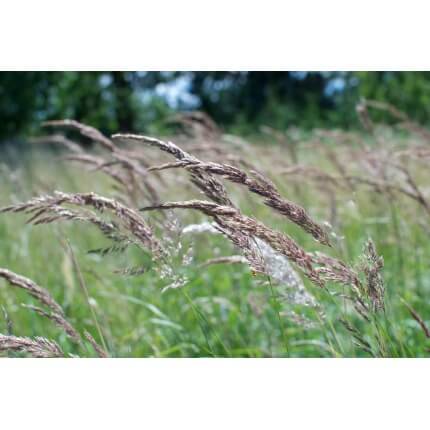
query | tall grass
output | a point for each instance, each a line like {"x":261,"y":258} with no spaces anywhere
{"x":290,"y":245}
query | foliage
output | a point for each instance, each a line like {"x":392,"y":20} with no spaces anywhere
{"x":240,"y":101}
{"x":362,"y":185}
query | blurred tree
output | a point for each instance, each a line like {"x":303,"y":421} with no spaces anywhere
{"x":408,"y":91}
{"x":248,"y":95}
{"x":141,"y":101}
{"x":23,"y":95}
{"x":110,"y":101}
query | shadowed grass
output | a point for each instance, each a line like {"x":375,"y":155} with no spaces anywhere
{"x":223,"y":310}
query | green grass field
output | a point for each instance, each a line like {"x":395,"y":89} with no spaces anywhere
{"x":223,"y":310}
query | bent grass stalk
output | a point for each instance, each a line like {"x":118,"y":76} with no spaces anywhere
{"x":86,"y":295}
{"x":383,"y":173}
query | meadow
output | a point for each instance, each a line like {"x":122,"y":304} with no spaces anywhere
{"x":204,"y":244}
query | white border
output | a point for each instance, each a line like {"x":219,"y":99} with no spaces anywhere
{"x":214,"y":35}
{"x":214,"y":394}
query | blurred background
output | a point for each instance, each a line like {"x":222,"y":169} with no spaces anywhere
{"x":240,"y":102}
{"x":352,"y":148}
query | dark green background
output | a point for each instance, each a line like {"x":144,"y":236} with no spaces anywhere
{"x":238,"y":101}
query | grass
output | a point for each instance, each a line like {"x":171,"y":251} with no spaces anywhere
{"x":221,"y":310}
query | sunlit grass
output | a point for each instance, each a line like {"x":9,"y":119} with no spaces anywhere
{"x":222,"y":310}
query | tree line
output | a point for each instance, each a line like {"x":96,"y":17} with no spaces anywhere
{"x":240,"y":101}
